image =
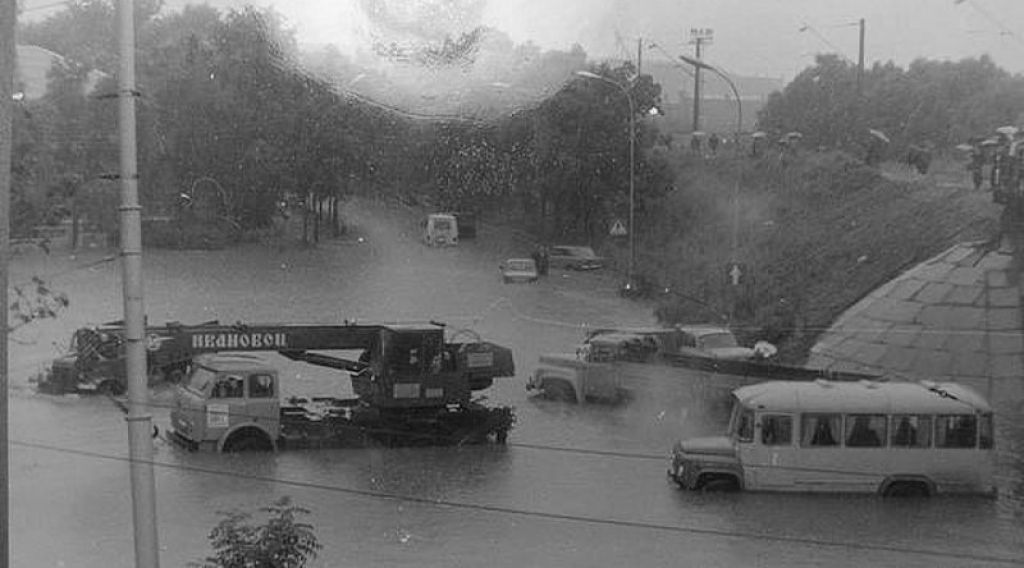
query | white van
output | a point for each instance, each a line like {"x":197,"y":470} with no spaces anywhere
{"x":441,"y":229}
{"x":889,"y":438}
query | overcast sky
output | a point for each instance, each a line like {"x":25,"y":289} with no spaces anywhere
{"x":754,"y":37}
{"x":751,"y":37}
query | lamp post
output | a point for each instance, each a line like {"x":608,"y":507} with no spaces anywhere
{"x":632,"y":167}
{"x":734,"y":269}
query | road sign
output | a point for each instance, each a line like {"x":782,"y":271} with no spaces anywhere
{"x":735,"y":271}
{"x":618,"y":229}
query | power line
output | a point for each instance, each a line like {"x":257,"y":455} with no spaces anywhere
{"x":505,"y":510}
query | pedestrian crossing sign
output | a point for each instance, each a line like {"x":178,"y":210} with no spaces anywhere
{"x":618,"y":229}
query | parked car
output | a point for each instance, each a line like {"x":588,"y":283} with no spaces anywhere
{"x":574,"y":258}
{"x":519,"y":270}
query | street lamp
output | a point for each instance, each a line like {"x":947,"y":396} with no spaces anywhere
{"x":632,"y":167}
{"x":739,"y":103}
{"x":734,"y":270}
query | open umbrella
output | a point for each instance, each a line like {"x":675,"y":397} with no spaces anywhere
{"x":759,"y":134}
{"x":699,"y":133}
{"x":794,"y":134}
{"x":964,"y":147}
{"x":990,"y":142}
{"x":879,"y":134}
{"x":1007,"y":130}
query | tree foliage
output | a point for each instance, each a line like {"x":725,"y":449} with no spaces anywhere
{"x":937,"y":102}
{"x":281,"y":541}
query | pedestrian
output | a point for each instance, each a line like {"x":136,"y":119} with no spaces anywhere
{"x":713,"y":141}
{"x":542,"y":267}
{"x":975,"y":166}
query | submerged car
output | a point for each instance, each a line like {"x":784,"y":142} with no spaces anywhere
{"x":712,"y":341}
{"x":574,"y":258}
{"x":519,"y":270}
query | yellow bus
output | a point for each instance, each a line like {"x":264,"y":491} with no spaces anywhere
{"x":889,"y":438}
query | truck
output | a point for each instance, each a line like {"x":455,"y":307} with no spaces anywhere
{"x":441,"y":230}
{"x":693,"y":367}
{"x":411,"y":384}
{"x":94,"y":359}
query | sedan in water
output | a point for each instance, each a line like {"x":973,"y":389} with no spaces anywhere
{"x":519,"y":270}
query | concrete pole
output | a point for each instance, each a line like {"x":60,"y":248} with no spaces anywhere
{"x":140,"y":422}
{"x":696,"y":88}
{"x":8,"y":11}
{"x":860,"y":62}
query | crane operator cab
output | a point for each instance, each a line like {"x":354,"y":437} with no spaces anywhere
{"x":413,"y":366}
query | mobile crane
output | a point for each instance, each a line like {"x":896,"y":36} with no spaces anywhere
{"x":411,"y":386}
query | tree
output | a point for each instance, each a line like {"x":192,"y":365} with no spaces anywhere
{"x":280,"y":542}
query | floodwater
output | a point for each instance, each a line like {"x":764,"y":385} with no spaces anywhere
{"x":576,"y":486}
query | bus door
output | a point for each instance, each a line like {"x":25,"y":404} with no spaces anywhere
{"x":769,"y":458}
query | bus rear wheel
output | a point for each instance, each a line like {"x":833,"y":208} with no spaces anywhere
{"x":906,"y":489}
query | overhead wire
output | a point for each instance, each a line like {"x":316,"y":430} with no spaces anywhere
{"x":515,"y":511}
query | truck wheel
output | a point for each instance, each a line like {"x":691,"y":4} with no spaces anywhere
{"x":176,"y":376}
{"x":247,"y":443}
{"x":559,"y":390}
{"x":111,"y":387}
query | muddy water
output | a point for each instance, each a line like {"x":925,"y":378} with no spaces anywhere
{"x":537,"y":502}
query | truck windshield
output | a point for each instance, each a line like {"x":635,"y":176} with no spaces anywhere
{"x":200,"y":379}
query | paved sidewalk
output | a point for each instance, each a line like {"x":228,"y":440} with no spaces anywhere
{"x":955,"y":317}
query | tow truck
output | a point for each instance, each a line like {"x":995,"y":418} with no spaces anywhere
{"x":691,"y":367}
{"x":412,"y":386}
{"x":94,"y":359}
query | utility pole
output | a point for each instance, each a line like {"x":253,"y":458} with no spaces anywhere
{"x":639,"y":55}
{"x":8,"y":15}
{"x":698,"y":37}
{"x":860,"y":62}
{"x":140,"y":422}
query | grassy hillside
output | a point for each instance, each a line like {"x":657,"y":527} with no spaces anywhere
{"x":813,"y":236}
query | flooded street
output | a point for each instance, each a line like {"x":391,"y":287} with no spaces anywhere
{"x":575,"y":486}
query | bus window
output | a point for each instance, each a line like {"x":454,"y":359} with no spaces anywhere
{"x":865,"y":430}
{"x":956,"y":431}
{"x":776,"y":430}
{"x":985,"y":431}
{"x":821,"y":430}
{"x":911,"y":431}
{"x":745,"y":425}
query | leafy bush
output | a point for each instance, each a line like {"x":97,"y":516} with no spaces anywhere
{"x":280,"y":542}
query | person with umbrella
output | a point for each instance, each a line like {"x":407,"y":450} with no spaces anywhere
{"x":975,"y":163}
{"x":875,"y":147}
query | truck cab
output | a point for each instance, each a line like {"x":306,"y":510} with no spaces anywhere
{"x":229,"y":402}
